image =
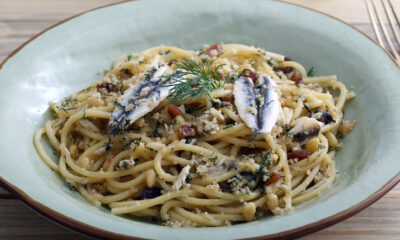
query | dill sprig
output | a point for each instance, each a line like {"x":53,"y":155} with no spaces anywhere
{"x":310,"y":72}
{"x":192,"y":80}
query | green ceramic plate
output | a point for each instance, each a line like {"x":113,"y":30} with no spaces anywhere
{"x":67,"y":58}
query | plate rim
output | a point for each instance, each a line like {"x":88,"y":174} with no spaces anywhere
{"x":99,"y":233}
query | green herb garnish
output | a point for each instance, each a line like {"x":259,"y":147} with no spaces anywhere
{"x":65,"y":109}
{"x":150,"y":149}
{"x":233,"y":181}
{"x":119,"y":105}
{"x":266,"y":160}
{"x":84,"y":113}
{"x":64,"y":106}
{"x":137,"y":141}
{"x":67,"y":101}
{"x":190,"y":109}
{"x":193,"y":80}
{"x":228,"y":126}
{"x":70,"y":186}
{"x":231,"y":77}
{"x":270,"y":63}
{"x":105,"y":94}
{"x":119,"y":86}
{"x":244,"y":71}
{"x":213,"y":159}
{"x":310,"y":72}
{"x":166,"y":52}
{"x":261,"y":53}
{"x":289,"y":135}
{"x":306,"y":107}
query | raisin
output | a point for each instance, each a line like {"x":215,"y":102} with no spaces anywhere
{"x":171,"y":63}
{"x":299,"y":154}
{"x":228,"y":98}
{"x":174,"y":110}
{"x":107,"y":86}
{"x":274,"y":177}
{"x":149,"y":193}
{"x":287,"y":59}
{"x":216,"y":47}
{"x":252,"y":75}
{"x":296,"y":77}
{"x":283,"y":69}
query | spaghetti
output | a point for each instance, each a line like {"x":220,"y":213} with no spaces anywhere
{"x":193,"y":158}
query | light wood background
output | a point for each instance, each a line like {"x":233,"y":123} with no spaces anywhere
{"x":21,"y":19}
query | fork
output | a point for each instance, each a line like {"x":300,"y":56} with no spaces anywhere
{"x":390,"y":13}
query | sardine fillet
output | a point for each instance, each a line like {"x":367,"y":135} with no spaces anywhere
{"x":245,"y":102}
{"x":258,"y":106}
{"x":139,"y":100}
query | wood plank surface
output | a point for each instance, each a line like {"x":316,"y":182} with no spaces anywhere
{"x":21,"y":19}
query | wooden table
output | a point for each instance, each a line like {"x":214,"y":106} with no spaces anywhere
{"x":21,"y":19}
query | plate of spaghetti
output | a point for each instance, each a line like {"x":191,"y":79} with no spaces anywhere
{"x":130,"y":126}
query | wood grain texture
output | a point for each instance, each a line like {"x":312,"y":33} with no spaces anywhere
{"x":21,"y":19}
{"x":19,"y":222}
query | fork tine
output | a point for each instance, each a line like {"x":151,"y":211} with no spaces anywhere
{"x":394,"y":13}
{"x":392,"y":25}
{"x":374,"y":26}
{"x":385,"y":33}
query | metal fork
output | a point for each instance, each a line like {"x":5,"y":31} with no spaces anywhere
{"x":390,"y":13}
